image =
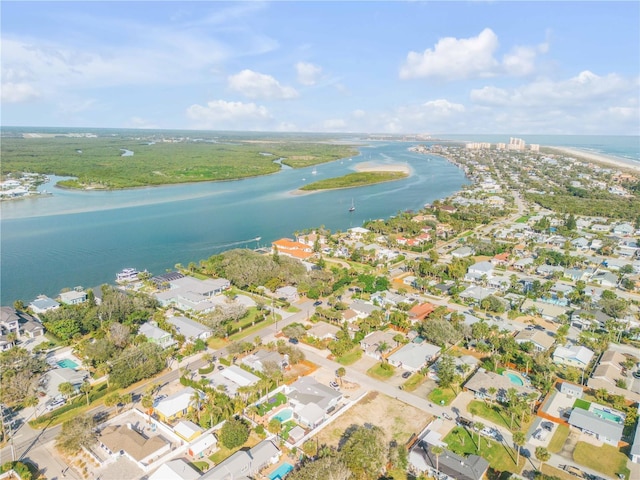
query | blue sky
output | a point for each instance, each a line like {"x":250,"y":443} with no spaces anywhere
{"x":384,"y":67}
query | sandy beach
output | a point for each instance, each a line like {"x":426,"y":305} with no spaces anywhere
{"x":596,"y":158}
{"x":383,"y":167}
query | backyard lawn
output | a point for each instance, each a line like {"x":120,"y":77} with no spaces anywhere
{"x":558,"y":439}
{"x":441,"y":396}
{"x":606,"y":459}
{"x":500,"y":457}
{"x":497,"y":414}
{"x":223,"y":452}
{"x":381,"y":371}
{"x":413,"y":382}
{"x":350,"y":357}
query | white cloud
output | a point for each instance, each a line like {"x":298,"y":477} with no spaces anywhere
{"x":18,"y":92}
{"x":580,"y":91}
{"x":520,"y":61}
{"x":223,"y":115}
{"x":443,"y":107}
{"x":258,"y":85}
{"x":308,"y":73}
{"x":453,"y":58}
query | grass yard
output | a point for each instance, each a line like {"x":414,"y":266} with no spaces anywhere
{"x":556,"y":472}
{"x":225,"y":452}
{"x":216,"y":343}
{"x":413,"y":382}
{"x":441,"y":396}
{"x":202,"y":466}
{"x":398,"y":420}
{"x":523,"y":219}
{"x":558,"y":439}
{"x":583,"y":404}
{"x":496,"y":414}
{"x":500,"y":457}
{"x":350,"y":357}
{"x":606,"y":459}
{"x":381,"y":371}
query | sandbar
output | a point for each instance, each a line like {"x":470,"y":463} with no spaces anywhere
{"x":383,"y":167}
{"x":596,"y":158}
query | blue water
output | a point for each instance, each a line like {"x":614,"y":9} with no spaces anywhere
{"x":284,"y":415}
{"x":515,"y":379}
{"x":84,"y":238}
{"x":281,"y":472}
{"x":67,"y":363}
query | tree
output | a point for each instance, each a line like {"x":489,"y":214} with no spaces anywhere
{"x":234,"y":433}
{"x":478,"y":426}
{"x":76,"y":433}
{"x":542,"y":454}
{"x":518,"y":440}
{"x":275,"y":426}
{"x":340,"y":373}
{"x":66,"y":389}
{"x":365,"y":452}
{"x":328,"y":467}
{"x":113,"y":400}
{"x":437,"y":451}
{"x":31,"y":401}
{"x":446,"y":370}
{"x":86,"y":388}
{"x":310,"y":448}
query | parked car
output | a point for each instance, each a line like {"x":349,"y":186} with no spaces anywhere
{"x":406,"y":374}
{"x":334,"y":385}
{"x":55,"y":403}
{"x":447,"y":416}
{"x":220,"y":367}
{"x":293,"y":340}
{"x":317,"y":303}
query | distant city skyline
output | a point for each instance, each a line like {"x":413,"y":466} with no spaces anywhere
{"x":568,"y":68}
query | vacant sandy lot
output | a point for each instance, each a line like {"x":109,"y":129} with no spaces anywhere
{"x":397,"y":419}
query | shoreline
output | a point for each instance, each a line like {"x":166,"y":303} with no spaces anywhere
{"x":363,"y":167}
{"x":593,"y":157}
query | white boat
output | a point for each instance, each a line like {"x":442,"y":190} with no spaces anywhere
{"x":314,"y":171}
{"x":353,"y":207}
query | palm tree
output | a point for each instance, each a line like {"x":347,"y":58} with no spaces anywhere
{"x":86,"y":388}
{"x":66,"y":389}
{"x":437,"y":451}
{"x":478,"y":426}
{"x":31,"y":401}
{"x":195,"y":402}
{"x":341,"y":372}
{"x":518,"y":441}
{"x":543,"y":455}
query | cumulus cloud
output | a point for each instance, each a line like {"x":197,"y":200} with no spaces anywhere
{"x":220,"y":114}
{"x":258,"y":85}
{"x":18,"y":92}
{"x":308,"y":73}
{"x":453,"y":58}
{"x":584,"y":87}
{"x":444,"y":107}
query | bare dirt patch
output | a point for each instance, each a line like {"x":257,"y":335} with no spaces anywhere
{"x":397,"y":419}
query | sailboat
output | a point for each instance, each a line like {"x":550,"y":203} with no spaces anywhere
{"x":353,"y":207}
{"x":314,"y":171}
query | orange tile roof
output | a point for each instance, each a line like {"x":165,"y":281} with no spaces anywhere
{"x":421,"y":310}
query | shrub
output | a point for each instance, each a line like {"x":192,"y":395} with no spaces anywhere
{"x":234,"y":433}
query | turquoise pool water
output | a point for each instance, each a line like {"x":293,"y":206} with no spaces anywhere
{"x":67,"y":363}
{"x":284,"y":415}
{"x":514,"y":378}
{"x":607,"y":415}
{"x":281,"y":472}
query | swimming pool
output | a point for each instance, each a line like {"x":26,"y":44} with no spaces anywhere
{"x":67,"y":363}
{"x":281,"y":472}
{"x":607,"y":415}
{"x":514,"y":378}
{"x":284,"y":415}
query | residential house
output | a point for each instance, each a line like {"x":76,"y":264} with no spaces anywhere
{"x":475,"y":294}
{"x":523,"y":264}
{"x":323,"y":331}
{"x":245,"y":463}
{"x":73,"y":297}
{"x":462,"y":252}
{"x":483,"y":382}
{"x":311,"y":401}
{"x":20,"y":323}
{"x":156,"y":335}
{"x":542,"y":340}
{"x":374,"y":343}
{"x":450,"y":466}
{"x":203,"y":446}
{"x":176,"y":405}
{"x":288,"y":293}
{"x":260,"y":358}
{"x":609,"y":372}
{"x":187,"y":430}
{"x":500,"y":260}
{"x":125,"y":440}
{"x":43,"y":304}
{"x":357,"y":232}
{"x":419,"y":312}
{"x":190,"y":329}
{"x":387,"y":298}
{"x":547,"y":311}
{"x":601,"y":425}
{"x":580,"y":243}
{"x":464,"y":365}
{"x":574,"y":356}
{"x":587,"y":319}
{"x":414,"y":356}
{"x":231,"y":379}
{"x":363,"y":309}
{"x":605,"y":279}
{"x":624,"y":229}
{"x":57,"y":376}
{"x":286,"y":246}
{"x":571,"y":389}
{"x":634,"y":453}
{"x":479,"y":271}
{"x":192,"y":294}
{"x":177,"y":469}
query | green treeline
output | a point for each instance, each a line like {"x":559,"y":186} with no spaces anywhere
{"x":358,"y":179}
{"x":98,"y":162}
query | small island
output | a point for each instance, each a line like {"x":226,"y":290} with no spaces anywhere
{"x":367,"y":175}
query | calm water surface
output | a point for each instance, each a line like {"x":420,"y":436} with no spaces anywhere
{"x":84,"y":238}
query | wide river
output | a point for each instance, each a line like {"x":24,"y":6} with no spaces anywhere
{"x":83,"y":238}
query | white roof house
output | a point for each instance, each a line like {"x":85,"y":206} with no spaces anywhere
{"x":414,"y":356}
{"x":175,"y":470}
{"x":575,"y":356}
{"x":187,"y":429}
{"x":176,"y":404}
{"x":191,"y":329}
{"x":203,"y":444}
{"x":239,"y":376}
{"x":43,"y":304}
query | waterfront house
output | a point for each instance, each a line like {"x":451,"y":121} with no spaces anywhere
{"x":290,"y":248}
{"x":73,"y":297}
{"x":43,"y":304}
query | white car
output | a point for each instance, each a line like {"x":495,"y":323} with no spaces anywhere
{"x":56,"y":403}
